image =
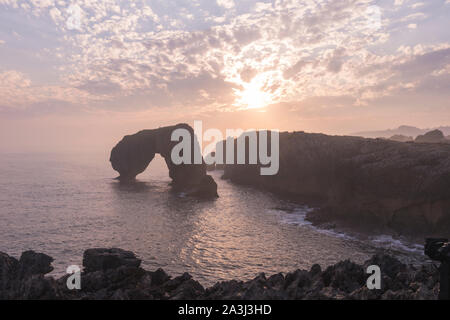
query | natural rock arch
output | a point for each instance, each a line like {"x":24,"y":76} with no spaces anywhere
{"x":133,"y":153}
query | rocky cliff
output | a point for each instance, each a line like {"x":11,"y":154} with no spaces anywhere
{"x":133,"y":153}
{"x":116,"y":274}
{"x":375,"y":184}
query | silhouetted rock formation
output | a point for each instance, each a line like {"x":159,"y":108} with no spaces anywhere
{"x":24,"y":278}
{"x":402,"y":130}
{"x":401,"y":138}
{"x":375,"y":185}
{"x":435,"y":136}
{"x":133,"y":153}
{"x":124,"y":280}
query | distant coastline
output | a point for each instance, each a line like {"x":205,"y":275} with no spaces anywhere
{"x":401,"y":130}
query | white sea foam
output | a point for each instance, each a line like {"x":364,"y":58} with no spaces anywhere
{"x":388,"y":242}
{"x":297,"y":217}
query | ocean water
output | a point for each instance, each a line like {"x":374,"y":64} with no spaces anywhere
{"x":64,"y":204}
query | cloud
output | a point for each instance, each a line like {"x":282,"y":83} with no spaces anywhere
{"x":13,"y":78}
{"x":247,"y":74}
{"x":295,"y":69}
{"x":227,"y":4}
{"x":201,"y":56}
{"x":417,"y":5}
{"x":414,"y":68}
{"x":336,"y":61}
{"x":100,"y":87}
{"x":414,"y":16}
{"x":18,"y":92}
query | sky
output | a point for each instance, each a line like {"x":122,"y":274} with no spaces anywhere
{"x":78,"y":75}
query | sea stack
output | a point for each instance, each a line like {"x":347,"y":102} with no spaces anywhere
{"x":133,"y":153}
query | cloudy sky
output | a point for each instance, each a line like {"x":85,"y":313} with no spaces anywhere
{"x":85,"y":72}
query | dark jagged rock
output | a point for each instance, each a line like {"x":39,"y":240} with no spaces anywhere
{"x":126,"y":280}
{"x":24,"y":278}
{"x":183,"y":288}
{"x":207,"y":188}
{"x":371,"y":185}
{"x":32,"y":263}
{"x":345,"y":276}
{"x":99,"y":259}
{"x":435,"y":136}
{"x":133,"y":153}
{"x":8,"y":273}
{"x":390,"y":266}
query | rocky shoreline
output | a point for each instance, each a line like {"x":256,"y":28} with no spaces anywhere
{"x":369,"y":185}
{"x":116,"y":274}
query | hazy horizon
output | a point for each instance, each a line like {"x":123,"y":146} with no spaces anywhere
{"x":77,"y":76}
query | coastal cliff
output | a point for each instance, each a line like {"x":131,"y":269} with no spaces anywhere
{"x":372,"y":184}
{"x":133,"y":154}
{"x":116,"y":274}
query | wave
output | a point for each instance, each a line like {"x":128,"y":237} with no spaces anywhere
{"x":297,"y":216}
{"x":389,"y":242}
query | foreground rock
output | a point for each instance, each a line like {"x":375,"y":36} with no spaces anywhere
{"x":115,"y":274}
{"x":372,"y":184}
{"x":103,"y":259}
{"x":133,"y":153}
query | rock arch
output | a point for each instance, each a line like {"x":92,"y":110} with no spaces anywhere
{"x":133,"y":153}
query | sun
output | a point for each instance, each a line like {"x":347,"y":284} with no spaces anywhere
{"x":252,"y":96}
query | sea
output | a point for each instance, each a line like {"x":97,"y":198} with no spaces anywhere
{"x":63,"y":204}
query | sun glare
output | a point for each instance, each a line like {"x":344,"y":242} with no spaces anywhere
{"x":252,"y":97}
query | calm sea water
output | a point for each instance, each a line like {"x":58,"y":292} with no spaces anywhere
{"x":64,"y":204}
